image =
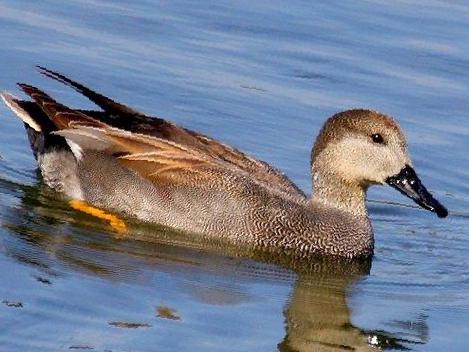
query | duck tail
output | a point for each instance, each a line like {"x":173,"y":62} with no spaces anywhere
{"x":27,"y":111}
{"x":38,"y":126}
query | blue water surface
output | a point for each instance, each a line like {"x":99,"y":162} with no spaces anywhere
{"x":263,"y":76}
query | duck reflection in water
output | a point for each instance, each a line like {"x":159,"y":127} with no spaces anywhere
{"x":317,"y":315}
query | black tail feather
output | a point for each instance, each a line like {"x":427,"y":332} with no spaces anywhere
{"x":105,"y":103}
{"x":36,"y":113}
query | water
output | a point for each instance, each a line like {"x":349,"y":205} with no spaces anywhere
{"x":262,"y":76}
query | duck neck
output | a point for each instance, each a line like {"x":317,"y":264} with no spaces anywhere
{"x":332,"y":191}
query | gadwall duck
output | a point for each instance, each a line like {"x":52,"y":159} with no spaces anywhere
{"x":148,"y":168}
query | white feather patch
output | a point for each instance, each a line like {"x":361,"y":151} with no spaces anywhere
{"x":76,"y":149}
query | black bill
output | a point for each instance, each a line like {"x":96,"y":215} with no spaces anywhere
{"x":408,"y":183}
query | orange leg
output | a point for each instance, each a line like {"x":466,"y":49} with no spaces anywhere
{"x":116,"y":223}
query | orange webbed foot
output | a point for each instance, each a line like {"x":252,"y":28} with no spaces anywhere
{"x":116,"y":223}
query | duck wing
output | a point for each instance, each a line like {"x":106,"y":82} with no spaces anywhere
{"x":163,"y":162}
{"x":125,"y":118}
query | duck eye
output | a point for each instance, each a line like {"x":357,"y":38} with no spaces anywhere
{"x":377,"y":138}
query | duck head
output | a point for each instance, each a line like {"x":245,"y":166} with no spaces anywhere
{"x":359,"y":148}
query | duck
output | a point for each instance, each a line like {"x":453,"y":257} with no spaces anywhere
{"x":145,"y":167}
